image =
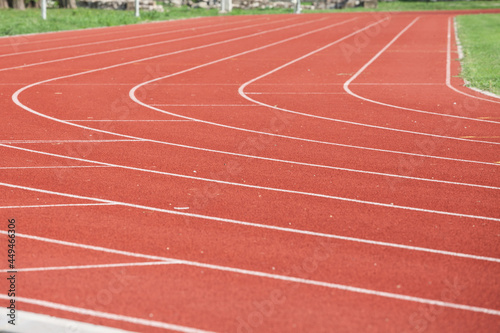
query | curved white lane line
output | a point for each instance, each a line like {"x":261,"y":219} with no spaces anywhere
{"x":448,"y":69}
{"x":362,"y":69}
{"x":15,"y":96}
{"x":135,"y":99}
{"x":105,"y":315}
{"x":279,"y":190}
{"x":285,"y":278}
{"x":146,"y":45}
{"x":244,"y":95}
{"x":453,"y":305}
{"x":16,"y":100}
{"x":111,"y":165}
{"x":122,"y":39}
{"x":257,"y":225}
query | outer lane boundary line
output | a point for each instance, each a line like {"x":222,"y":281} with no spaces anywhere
{"x":310,"y":194}
{"x":257,"y":225}
{"x":362,"y":69}
{"x":346,"y":288}
{"x":105,"y":315}
{"x":448,"y":70}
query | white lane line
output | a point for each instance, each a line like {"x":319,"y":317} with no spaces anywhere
{"x":55,"y":167}
{"x":346,"y":288}
{"x":128,"y":120}
{"x":105,"y":315}
{"x":59,"y":205}
{"x":15,"y":98}
{"x":295,"y":93}
{"x":65,"y":268}
{"x":264,"y":226}
{"x":149,"y":106}
{"x":69,"y":141}
{"x":40,"y":323}
{"x":118,"y":84}
{"x":125,"y":84}
{"x":362,"y":69}
{"x":232,"y":84}
{"x":258,"y":158}
{"x":394,"y":84}
{"x":325,"y":84}
{"x":124,"y":38}
{"x":135,"y":99}
{"x":302,"y":193}
{"x":202,"y":105}
{"x":243,"y":94}
{"x":149,"y":44}
{"x":92,"y":247}
{"x":448,"y":69}
{"x":117,"y":29}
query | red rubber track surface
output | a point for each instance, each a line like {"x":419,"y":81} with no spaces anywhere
{"x":288,"y":173}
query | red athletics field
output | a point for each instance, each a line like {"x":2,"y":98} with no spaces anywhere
{"x":285,"y":173}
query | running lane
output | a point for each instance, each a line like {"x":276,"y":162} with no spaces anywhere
{"x":206,"y":183}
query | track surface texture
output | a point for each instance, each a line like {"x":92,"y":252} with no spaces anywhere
{"x":287,"y":173}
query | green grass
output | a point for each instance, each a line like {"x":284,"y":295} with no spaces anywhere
{"x":480,"y":39}
{"x":13,"y":22}
{"x":405,"y":5}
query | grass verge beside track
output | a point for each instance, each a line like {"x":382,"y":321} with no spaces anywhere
{"x":15,"y":22}
{"x":480,"y":36}
{"x":406,"y":5}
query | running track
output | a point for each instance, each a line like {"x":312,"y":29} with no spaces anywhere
{"x":288,"y":173}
